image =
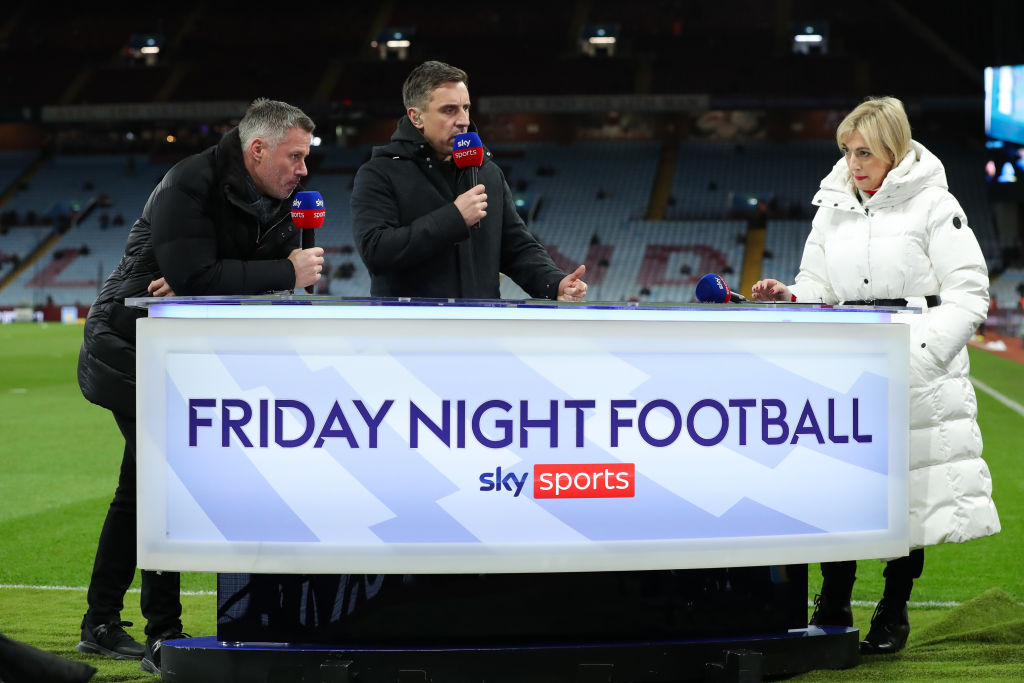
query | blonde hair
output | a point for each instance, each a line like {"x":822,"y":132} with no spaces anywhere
{"x":883,"y":123}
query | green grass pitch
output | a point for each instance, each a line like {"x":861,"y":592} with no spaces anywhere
{"x":59,"y":457}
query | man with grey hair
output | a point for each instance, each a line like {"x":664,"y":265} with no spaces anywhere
{"x":218,"y":223}
{"x":272,"y":120}
{"x":424,"y":229}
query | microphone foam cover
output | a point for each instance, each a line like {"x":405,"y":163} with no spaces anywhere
{"x":711,"y":289}
{"x":308,"y":209}
{"x":467,"y":150}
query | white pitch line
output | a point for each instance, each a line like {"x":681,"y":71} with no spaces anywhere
{"x":925,"y":603}
{"x":86,"y":588}
{"x":912,"y":603}
{"x":1005,"y":400}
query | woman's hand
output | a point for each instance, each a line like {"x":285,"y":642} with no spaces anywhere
{"x":770,"y":290}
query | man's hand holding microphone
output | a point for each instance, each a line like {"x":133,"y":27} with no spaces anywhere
{"x":308,"y":214}
{"x":468,"y":153}
{"x":472,"y":204}
{"x":307,"y":263}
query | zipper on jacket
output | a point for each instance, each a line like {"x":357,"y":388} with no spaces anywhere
{"x":259,"y":237}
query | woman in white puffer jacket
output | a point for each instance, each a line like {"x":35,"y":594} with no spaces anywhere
{"x":888,"y":232}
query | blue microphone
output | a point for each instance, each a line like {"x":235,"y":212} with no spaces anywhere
{"x":712,"y":289}
{"x":308,"y":210}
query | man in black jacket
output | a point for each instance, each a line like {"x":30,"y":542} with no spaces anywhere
{"x":422,"y":230}
{"x":218,"y":223}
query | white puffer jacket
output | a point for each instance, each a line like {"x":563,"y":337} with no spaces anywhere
{"x":909,"y":240}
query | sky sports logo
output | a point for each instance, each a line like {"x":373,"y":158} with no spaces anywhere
{"x":472,"y":153}
{"x":589,"y":480}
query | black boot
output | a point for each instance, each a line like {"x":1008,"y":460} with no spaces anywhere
{"x":890,"y":627}
{"x":831,"y":612}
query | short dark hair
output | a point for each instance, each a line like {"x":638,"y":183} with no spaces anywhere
{"x":271,"y":120}
{"x":426,"y":78}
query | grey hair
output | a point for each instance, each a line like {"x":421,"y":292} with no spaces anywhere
{"x":426,"y":78}
{"x":271,"y":120}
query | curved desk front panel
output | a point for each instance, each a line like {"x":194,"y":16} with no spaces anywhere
{"x":279,"y":435}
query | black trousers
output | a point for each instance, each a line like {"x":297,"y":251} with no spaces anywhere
{"x":837,"y":577}
{"x":114,"y":567}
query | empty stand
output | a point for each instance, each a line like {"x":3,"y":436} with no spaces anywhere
{"x":783,"y":247}
{"x":589,"y":200}
{"x":711,"y":175}
{"x":113,"y":188}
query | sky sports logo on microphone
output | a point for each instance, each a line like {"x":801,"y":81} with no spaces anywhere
{"x":467,"y":150}
{"x":587,"y":480}
{"x":308,"y":209}
{"x":466,"y":157}
{"x":309,"y":198}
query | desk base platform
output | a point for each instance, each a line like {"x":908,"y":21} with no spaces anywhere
{"x":753,"y":658}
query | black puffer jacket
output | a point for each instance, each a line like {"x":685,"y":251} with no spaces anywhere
{"x":200,"y":231}
{"x":415,"y":242}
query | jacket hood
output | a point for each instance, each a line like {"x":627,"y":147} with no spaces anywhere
{"x":407,"y":142}
{"x":918,"y":170}
{"x":230,"y":166}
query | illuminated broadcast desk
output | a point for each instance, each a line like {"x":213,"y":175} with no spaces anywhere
{"x":507,"y":490}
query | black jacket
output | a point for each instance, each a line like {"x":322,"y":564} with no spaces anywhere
{"x":200,"y":231}
{"x":415,"y":242}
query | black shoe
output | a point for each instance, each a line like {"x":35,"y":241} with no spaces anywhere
{"x":829,"y":612}
{"x":890,"y":626}
{"x":151,"y":659}
{"x":110,"y":640}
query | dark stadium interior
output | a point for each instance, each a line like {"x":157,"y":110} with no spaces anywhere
{"x":697,"y":139}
